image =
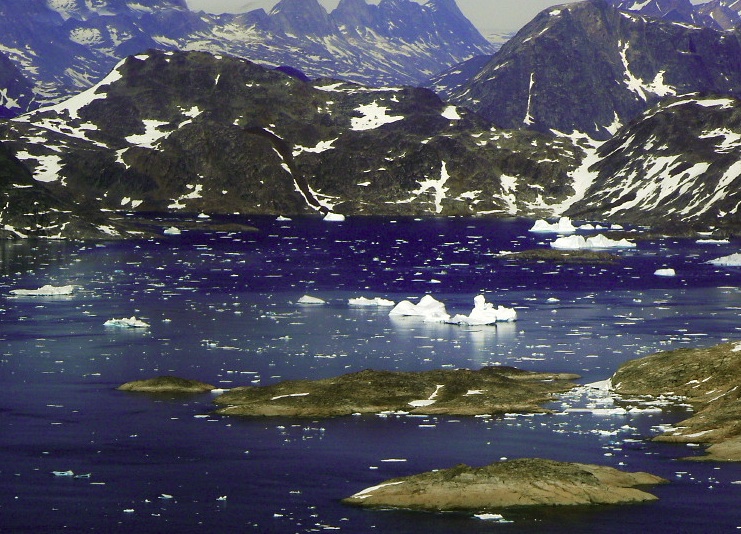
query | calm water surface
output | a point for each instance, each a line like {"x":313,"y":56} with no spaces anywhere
{"x":222,"y":308}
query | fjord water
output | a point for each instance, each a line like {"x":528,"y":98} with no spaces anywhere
{"x":222,"y":309}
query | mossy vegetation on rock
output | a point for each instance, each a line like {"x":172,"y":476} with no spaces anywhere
{"x":456,"y":392}
{"x":514,"y":483}
{"x":709,"y":379}
{"x":167,"y":384}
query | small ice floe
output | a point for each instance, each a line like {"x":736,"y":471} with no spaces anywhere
{"x":84,"y":475}
{"x":429,"y":308}
{"x":577,"y":242}
{"x":334,"y":217}
{"x":222,"y":498}
{"x":377,"y":302}
{"x":128,"y":510}
{"x":63,"y":473}
{"x":166,"y":497}
{"x":734,"y":260}
{"x":665,"y":272}
{"x":485,"y":313}
{"x":44,"y":291}
{"x":130,"y":322}
{"x":281,"y":218}
{"x":497,"y":518}
{"x":563,"y":226}
{"x":203,"y":216}
{"x":172,"y":230}
{"x":308,"y":299}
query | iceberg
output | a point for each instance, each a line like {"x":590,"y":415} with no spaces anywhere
{"x":378,"y":302}
{"x":484,"y":313}
{"x":308,"y":299}
{"x":577,"y":242}
{"x":665,"y":272}
{"x":172,"y":230}
{"x":334,"y":217}
{"x":734,"y":260}
{"x":131,"y":322}
{"x":427,"y":307}
{"x":563,"y":226}
{"x":44,"y":291}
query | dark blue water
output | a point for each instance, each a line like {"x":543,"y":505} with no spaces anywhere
{"x":222,"y":308}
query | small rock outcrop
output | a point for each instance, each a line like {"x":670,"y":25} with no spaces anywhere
{"x":455,"y":392}
{"x":509,"y":484}
{"x":167,"y":384}
{"x":709,"y":379}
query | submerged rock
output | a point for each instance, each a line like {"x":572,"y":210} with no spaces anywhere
{"x":456,"y":392}
{"x":167,"y":384}
{"x":707,"y":378}
{"x":514,"y":483}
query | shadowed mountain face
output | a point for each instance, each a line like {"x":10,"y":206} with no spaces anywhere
{"x":190,"y":132}
{"x":716,"y":14}
{"x":65,"y":46}
{"x":592,"y":68}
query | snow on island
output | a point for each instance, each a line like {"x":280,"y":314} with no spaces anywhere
{"x":734,"y":260}
{"x":434,"y":311}
{"x":130,"y":322}
{"x":577,"y":242}
{"x":44,"y":291}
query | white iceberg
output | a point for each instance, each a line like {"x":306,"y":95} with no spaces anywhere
{"x":130,"y":322}
{"x":172,"y":230}
{"x":334,"y":217}
{"x":377,"y":302}
{"x":563,"y":226}
{"x":281,"y":218}
{"x":734,"y":260}
{"x":308,"y":299}
{"x":484,"y":313}
{"x":665,"y":272}
{"x":427,"y":307}
{"x":44,"y":291}
{"x":577,"y":242}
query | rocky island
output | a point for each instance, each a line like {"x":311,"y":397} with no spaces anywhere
{"x":167,"y":384}
{"x":514,"y":483}
{"x":707,"y":378}
{"x":454,"y":392}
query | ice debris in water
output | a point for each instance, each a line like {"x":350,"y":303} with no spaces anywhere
{"x":172,"y":230}
{"x":665,"y":272}
{"x":130,"y":322}
{"x":334,"y":217}
{"x":492,"y":517}
{"x":378,"y":302}
{"x":62,"y":473}
{"x":563,"y":226}
{"x":734,"y":260}
{"x":433,"y":310}
{"x":44,"y":291}
{"x":577,"y":242}
{"x":308,"y":299}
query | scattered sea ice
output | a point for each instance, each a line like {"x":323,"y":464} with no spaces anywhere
{"x":44,"y":291}
{"x":130,"y":322}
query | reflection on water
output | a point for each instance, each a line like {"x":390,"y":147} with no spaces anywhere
{"x":223,"y":308}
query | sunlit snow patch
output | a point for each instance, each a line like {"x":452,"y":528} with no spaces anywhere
{"x":373,"y":116}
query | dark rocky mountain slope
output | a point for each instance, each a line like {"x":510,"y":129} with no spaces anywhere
{"x":591,"y":68}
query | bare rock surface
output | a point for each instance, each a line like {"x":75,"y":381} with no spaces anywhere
{"x":167,"y":384}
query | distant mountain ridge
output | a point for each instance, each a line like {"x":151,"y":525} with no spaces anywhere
{"x":65,"y":46}
{"x":716,"y":14}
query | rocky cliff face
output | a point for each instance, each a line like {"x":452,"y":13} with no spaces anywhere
{"x":716,"y":14}
{"x":16,"y":92}
{"x":592,"y":68}
{"x":65,"y":46}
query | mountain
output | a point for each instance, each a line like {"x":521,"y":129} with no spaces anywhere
{"x":591,"y":68}
{"x":679,"y":162}
{"x":65,"y":46}
{"x":716,"y":14}
{"x":190,"y":132}
{"x":16,"y":92}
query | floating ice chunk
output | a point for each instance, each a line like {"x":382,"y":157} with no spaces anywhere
{"x":577,"y":242}
{"x":222,"y":498}
{"x":563,"y":226}
{"x":428,"y":307}
{"x":308,"y":299}
{"x":203,"y":216}
{"x":334,"y":217}
{"x":378,"y":302}
{"x":63,"y":473}
{"x":492,"y":517}
{"x":665,"y":272}
{"x":165,"y":496}
{"x":734,"y":260}
{"x":128,"y":510}
{"x":44,"y":291}
{"x":484,"y":313}
{"x":130,"y":322}
{"x":172,"y":231}
{"x":280,"y":218}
